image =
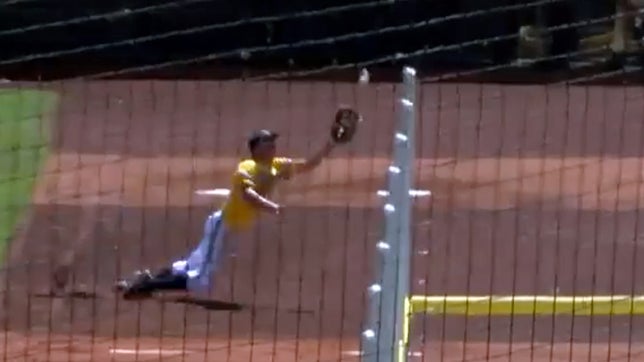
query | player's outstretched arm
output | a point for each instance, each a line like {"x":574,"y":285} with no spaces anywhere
{"x":343,"y":129}
{"x":302,"y":166}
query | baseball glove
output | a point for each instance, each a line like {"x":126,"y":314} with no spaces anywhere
{"x":345,"y":124}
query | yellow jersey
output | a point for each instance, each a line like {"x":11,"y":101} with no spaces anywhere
{"x":237,"y":212}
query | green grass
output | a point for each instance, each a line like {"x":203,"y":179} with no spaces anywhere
{"x":24,"y":129}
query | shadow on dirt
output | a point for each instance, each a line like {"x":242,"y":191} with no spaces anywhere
{"x":209,"y":304}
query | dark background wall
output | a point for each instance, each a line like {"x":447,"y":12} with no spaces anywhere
{"x":32,"y":53}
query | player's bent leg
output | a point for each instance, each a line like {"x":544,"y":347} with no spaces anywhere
{"x":162,"y":281}
{"x":205,"y":259}
{"x":144,"y":283}
{"x":132,"y":288}
{"x":193,"y":274}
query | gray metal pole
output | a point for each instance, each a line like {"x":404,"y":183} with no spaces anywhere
{"x":378,"y":337}
{"x":407,"y":121}
{"x":383,"y":335}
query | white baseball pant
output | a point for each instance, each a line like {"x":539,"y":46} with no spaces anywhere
{"x":206,"y":258}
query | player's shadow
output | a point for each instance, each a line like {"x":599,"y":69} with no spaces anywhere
{"x":209,"y":304}
{"x":213,"y":304}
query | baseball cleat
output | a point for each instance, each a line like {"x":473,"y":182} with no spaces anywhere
{"x":121,"y":285}
{"x":145,"y":273}
{"x":135,"y":289}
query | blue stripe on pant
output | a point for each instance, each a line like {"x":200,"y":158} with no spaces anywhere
{"x":205,"y":259}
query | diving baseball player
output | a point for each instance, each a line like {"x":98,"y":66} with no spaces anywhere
{"x":252,"y":184}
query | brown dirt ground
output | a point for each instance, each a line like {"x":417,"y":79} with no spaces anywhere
{"x":536,"y":190}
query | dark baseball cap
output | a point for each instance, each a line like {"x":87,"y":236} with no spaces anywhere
{"x":259,"y":136}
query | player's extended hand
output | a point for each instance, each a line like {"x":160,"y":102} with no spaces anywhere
{"x":345,"y":124}
{"x":279,"y":210}
{"x":274,"y":208}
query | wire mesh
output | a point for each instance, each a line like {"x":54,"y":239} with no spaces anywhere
{"x":535,"y":187}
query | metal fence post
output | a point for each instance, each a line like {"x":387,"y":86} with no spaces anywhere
{"x":407,"y":128}
{"x":383,"y":340}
